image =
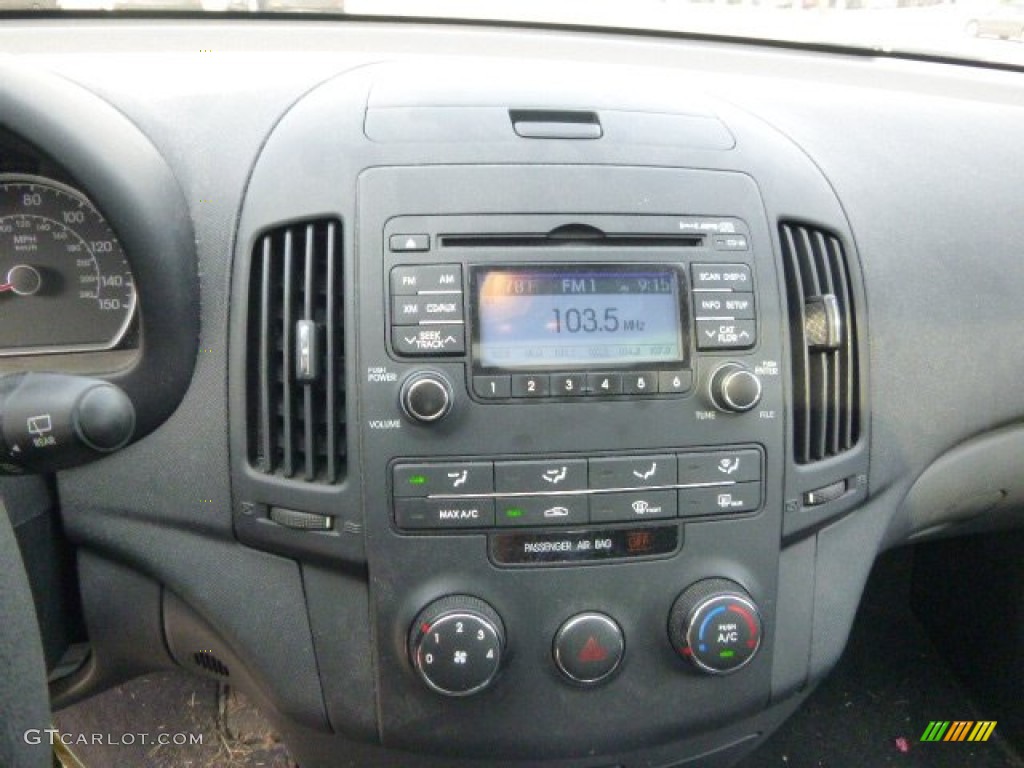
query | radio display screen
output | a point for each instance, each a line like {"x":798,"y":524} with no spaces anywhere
{"x":579,"y":316}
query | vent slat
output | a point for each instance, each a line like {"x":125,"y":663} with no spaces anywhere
{"x":296,"y":419}
{"x":333,"y":322}
{"x":825,"y":380}
{"x":288,"y":321}
{"x":801,"y":355}
{"x":266,"y":435}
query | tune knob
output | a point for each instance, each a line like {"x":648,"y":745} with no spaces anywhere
{"x":715,"y":625}
{"x":734,"y":388}
{"x":426,"y":397}
{"x":456,"y":644}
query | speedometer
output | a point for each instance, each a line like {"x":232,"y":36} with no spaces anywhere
{"x":65,"y":284}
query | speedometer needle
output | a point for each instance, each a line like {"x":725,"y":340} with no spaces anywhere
{"x":6,"y":287}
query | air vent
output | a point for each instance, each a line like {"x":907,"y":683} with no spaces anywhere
{"x":206,"y":661}
{"x":295,"y":362}
{"x":823,"y":332}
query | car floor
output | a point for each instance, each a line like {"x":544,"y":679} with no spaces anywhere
{"x":891,"y":682}
{"x":871,"y":711}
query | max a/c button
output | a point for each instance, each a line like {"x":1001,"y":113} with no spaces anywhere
{"x":434,"y":514}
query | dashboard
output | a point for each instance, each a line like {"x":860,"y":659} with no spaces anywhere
{"x":485,"y":395}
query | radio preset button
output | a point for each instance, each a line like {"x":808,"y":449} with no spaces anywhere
{"x":568,"y":384}
{"x":553,"y":475}
{"x":719,"y":467}
{"x":599,"y":384}
{"x":638,"y":505}
{"x":674,"y":382}
{"x":428,"y":340}
{"x":640,"y":472}
{"x":728,"y":277}
{"x":542,"y":511}
{"x":432,"y":278}
{"x":493,"y":387}
{"x":726,"y":334}
{"x":455,"y":477}
{"x":723,"y":500}
{"x":530,"y":385}
{"x":432,"y":514}
{"x":640,"y":383}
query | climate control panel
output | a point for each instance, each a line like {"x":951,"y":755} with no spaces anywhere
{"x":457,"y":642}
{"x":575,"y":490}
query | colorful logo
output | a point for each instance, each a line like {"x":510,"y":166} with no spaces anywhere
{"x":958,"y":730}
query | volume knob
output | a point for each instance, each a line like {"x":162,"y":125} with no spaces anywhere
{"x":426,"y":397}
{"x":734,"y":388}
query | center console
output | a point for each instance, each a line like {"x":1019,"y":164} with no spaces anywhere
{"x":548,"y":422}
{"x":578,"y":503}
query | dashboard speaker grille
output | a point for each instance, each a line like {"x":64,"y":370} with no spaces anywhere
{"x":823,"y":334}
{"x":295,"y":355}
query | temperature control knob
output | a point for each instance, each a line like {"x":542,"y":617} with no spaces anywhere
{"x":456,"y":644}
{"x":734,"y":388}
{"x":715,"y":625}
{"x":426,"y":397}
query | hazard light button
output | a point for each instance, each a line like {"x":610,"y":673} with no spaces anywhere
{"x":588,"y":648}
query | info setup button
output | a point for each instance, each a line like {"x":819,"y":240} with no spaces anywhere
{"x":522,"y":511}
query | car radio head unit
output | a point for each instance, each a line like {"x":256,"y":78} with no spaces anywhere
{"x":578,"y":317}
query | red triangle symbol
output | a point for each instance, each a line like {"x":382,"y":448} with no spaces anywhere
{"x":592,"y":651}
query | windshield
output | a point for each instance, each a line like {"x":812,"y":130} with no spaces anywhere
{"x":979,"y":30}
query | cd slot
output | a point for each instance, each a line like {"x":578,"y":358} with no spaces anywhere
{"x":588,"y":239}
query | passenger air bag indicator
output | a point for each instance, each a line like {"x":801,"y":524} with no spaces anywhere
{"x":581,"y":547}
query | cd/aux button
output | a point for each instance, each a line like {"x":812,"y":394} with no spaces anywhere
{"x":413,"y":310}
